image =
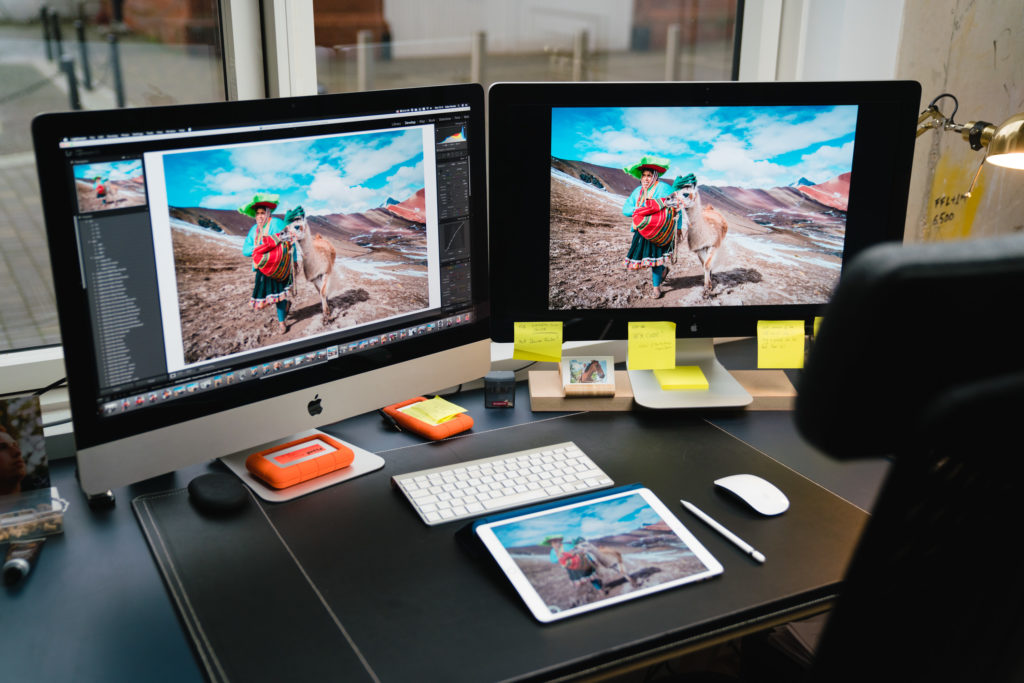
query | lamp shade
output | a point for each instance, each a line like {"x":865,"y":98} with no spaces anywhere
{"x":1007,"y":145}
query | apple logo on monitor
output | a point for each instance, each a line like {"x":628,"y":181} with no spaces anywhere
{"x":314,"y":407}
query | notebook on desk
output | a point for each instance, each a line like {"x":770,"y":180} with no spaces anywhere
{"x":573,"y":556}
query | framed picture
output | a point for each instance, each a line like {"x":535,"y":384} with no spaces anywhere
{"x":23,"y":465}
{"x":588,"y":376}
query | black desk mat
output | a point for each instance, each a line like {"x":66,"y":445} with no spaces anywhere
{"x":349,"y":584}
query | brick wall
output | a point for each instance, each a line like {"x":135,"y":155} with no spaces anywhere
{"x":698,"y":20}
{"x":174,"y":21}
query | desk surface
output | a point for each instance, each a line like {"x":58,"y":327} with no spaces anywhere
{"x":96,"y":606}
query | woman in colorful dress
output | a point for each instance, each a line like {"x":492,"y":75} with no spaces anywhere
{"x":571,"y":560}
{"x":644,"y":253}
{"x":267,"y":289}
{"x":101,"y":190}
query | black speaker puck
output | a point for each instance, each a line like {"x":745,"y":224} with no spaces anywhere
{"x":217,"y":493}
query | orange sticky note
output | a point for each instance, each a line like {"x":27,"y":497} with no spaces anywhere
{"x":780,"y":343}
{"x":652,"y":345}
{"x":541,"y":341}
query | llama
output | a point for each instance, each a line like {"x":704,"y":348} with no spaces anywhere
{"x":598,"y":558}
{"x":318,"y":256}
{"x":705,"y":232}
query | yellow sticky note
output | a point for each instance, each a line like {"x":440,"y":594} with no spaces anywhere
{"x":682,"y":377}
{"x":538,"y":341}
{"x":780,"y":343}
{"x":652,"y":345}
{"x":817,"y":324}
{"x":433,"y":411}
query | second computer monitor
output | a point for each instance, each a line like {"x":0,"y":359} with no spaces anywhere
{"x":710,"y":205}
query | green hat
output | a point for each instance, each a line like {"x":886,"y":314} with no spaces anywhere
{"x":648,"y":162}
{"x":551,"y":537}
{"x":265,"y":199}
{"x":684,"y":180}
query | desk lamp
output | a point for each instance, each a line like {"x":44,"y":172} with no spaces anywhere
{"x":1004,"y":143}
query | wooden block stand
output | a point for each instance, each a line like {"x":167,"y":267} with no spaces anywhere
{"x":771,"y":390}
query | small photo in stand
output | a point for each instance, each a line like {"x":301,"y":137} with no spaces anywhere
{"x":588,"y":376}
{"x":23,"y":465}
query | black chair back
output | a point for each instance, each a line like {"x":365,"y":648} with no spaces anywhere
{"x":918,"y":359}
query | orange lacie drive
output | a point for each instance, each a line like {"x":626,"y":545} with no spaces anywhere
{"x":459,"y":423}
{"x":298,"y":461}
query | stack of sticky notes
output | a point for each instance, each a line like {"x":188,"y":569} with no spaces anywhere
{"x":652,"y":346}
{"x":682,"y":378}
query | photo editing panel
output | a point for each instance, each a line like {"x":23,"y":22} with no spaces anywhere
{"x":164,"y":236}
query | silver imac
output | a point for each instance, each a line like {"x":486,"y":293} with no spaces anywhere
{"x":229,"y":274}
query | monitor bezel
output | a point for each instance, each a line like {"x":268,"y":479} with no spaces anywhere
{"x":519,"y":168}
{"x":93,"y":430}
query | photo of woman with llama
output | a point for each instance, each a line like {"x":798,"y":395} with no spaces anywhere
{"x":106,"y":185}
{"x":697,"y":206}
{"x":327,"y":233}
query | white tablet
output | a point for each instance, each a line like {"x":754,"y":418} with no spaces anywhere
{"x":574,"y":556}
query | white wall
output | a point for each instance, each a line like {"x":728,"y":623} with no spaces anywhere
{"x":510,"y":25}
{"x":852,"y":39}
{"x":821,"y":40}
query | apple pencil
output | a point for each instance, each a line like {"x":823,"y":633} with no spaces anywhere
{"x":739,"y":542}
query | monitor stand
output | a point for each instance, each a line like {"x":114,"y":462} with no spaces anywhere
{"x":723,"y":390}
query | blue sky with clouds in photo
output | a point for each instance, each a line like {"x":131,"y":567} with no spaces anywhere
{"x":336,"y":174}
{"x":750,"y":147}
{"x":620,"y":515}
{"x":109,"y":170}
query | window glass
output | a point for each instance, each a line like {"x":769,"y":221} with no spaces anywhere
{"x":122,"y":53}
{"x":404,"y":43}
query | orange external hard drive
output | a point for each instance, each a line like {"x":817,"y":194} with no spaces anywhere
{"x":298,"y":461}
{"x":457,"y":424}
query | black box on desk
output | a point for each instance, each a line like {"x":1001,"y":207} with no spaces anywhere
{"x":500,"y":389}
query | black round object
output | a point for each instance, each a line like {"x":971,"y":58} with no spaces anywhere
{"x":217,"y":493}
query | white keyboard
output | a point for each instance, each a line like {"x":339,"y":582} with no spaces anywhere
{"x":477,"y":487}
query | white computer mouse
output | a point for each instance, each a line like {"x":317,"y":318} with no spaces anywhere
{"x":762,"y":496}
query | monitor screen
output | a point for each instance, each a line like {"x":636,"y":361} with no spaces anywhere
{"x":711,"y":205}
{"x":210,"y":258}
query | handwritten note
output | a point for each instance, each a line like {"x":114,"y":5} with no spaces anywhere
{"x":540,"y":341}
{"x":433,"y":411}
{"x":951,"y":212}
{"x":944,"y":209}
{"x":652,"y":345}
{"x":682,"y":377}
{"x":780,"y":344}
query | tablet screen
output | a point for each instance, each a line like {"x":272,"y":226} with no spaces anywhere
{"x":584,"y":555}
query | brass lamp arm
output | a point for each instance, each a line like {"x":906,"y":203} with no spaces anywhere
{"x":977,"y":133}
